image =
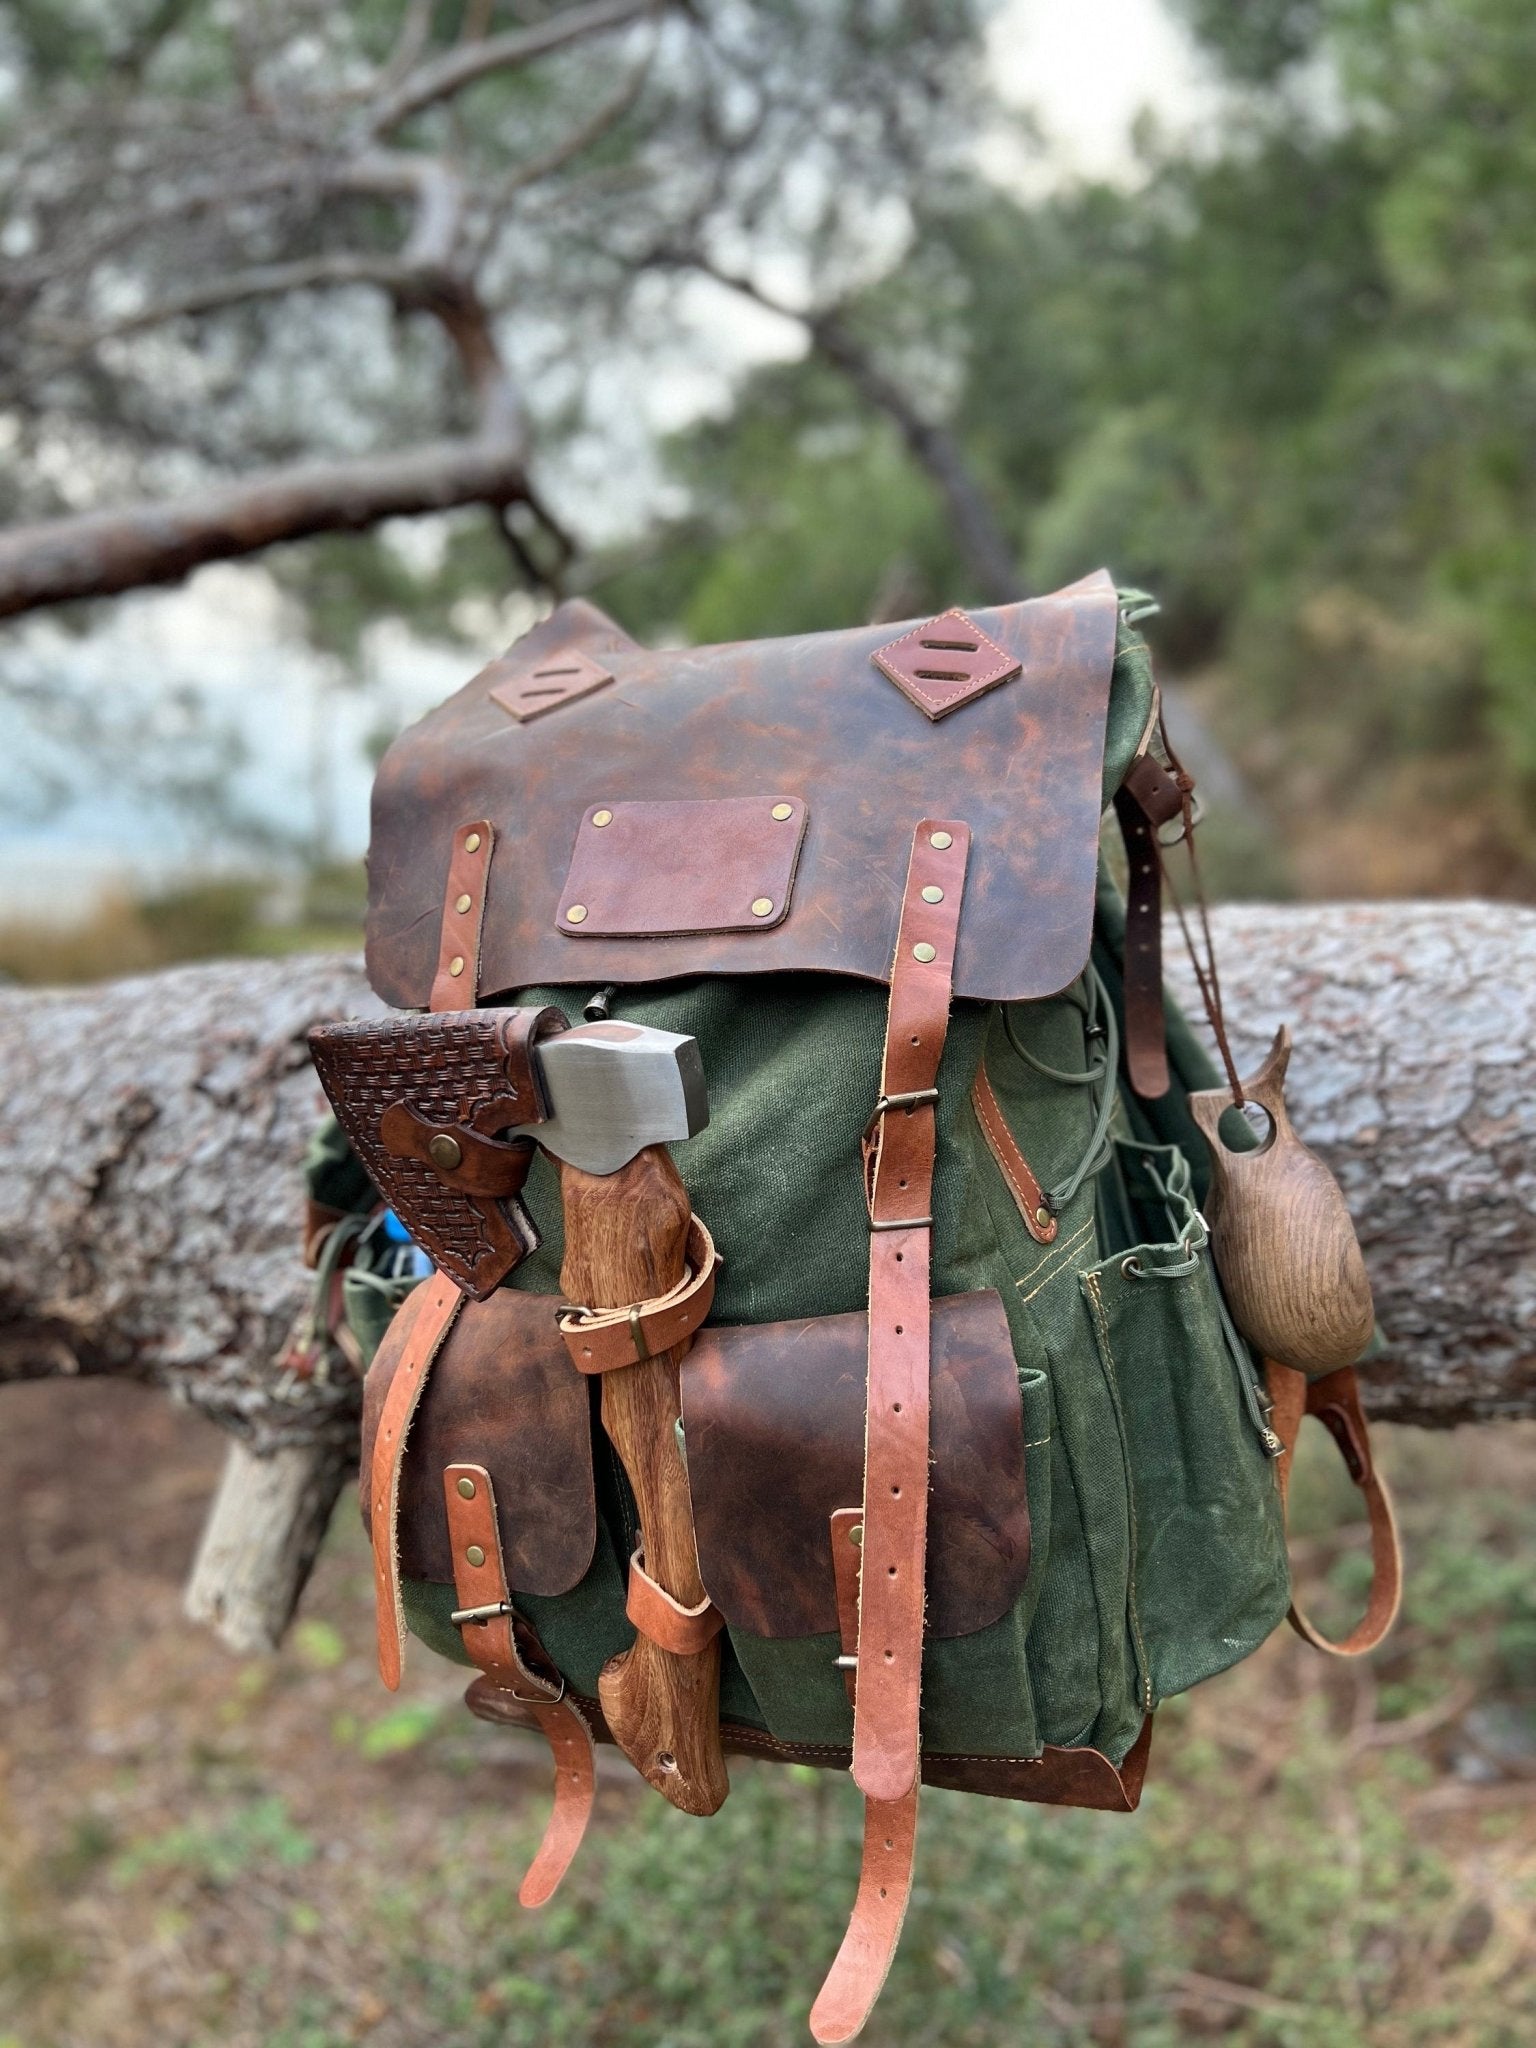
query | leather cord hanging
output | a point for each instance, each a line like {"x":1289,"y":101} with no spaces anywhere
{"x":1335,"y":1400}
{"x":900,"y":1154}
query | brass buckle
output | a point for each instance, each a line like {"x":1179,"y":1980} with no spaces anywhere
{"x":912,"y":1099}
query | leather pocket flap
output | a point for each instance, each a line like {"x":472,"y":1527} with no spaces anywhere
{"x":502,"y":1394}
{"x":773,"y":1417}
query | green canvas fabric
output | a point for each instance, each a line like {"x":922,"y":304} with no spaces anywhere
{"x":1158,"y":1555}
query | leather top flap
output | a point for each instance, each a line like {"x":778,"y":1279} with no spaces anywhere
{"x":1008,"y":736}
{"x":773,"y":1421}
{"x":502,"y":1394}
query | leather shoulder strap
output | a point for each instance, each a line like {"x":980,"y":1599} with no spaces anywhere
{"x":1335,"y":1401}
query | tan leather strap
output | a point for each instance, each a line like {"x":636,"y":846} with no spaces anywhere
{"x":1148,"y":798}
{"x":900,"y":1163}
{"x":861,"y":1965}
{"x":456,"y":984}
{"x":431,"y":1310}
{"x":601,"y":1340}
{"x":496,"y":1639}
{"x":1335,"y":1400}
{"x":900,"y":1151}
{"x":1028,"y":1196}
{"x":683,"y":1630}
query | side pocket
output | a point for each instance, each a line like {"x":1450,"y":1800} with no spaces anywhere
{"x":1209,"y":1579}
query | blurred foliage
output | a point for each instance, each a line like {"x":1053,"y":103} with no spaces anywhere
{"x":1288,"y":382}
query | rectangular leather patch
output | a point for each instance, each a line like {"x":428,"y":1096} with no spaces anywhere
{"x":659,"y":870}
{"x":773,"y":1421}
{"x":502,"y":1394}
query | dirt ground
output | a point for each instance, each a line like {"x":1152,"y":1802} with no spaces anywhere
{"x":273,"y":1853}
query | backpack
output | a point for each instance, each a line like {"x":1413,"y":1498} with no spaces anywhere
{"x":899,"y":1419}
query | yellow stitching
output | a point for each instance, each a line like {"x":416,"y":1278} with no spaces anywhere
{"x":1091,"y":1284}
{"x":1057,"y":1261}
{"x":1033,"y":1443}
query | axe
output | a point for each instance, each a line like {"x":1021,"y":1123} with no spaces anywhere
{"x":441,"y":1109}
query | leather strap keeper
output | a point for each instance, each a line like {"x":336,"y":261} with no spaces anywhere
{"x":682,"y":1630}
{"x":1335,"y":1400}
{"x":601,"y":1340}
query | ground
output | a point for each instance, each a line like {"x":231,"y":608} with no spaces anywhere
{"x":272,"y":1853}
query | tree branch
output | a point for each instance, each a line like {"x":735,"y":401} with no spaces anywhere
{"x":463,"y":66}
{"x":97,"y":554}
{"x":981,"y":541}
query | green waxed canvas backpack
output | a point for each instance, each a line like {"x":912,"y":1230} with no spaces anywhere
{"x":971,"y":1461}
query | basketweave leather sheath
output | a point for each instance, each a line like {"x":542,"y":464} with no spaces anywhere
{"x":422,"y":1100}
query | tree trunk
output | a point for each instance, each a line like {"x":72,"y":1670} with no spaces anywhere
{"x":151,"y":1133}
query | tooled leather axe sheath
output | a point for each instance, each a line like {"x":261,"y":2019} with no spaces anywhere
{"x":443,"y":1110}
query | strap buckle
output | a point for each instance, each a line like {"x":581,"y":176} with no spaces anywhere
{"x":912,"y":1099}
{"x":491,"y":1611}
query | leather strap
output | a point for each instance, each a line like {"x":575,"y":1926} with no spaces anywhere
{"x":1335,"y":1400}
{"x":495,"y":1638}
{"x":900,"y":1163}
{"x":601,"y":1340}
{"x":861,"y":1965}
{"x":432,"y":1308}
{"x":456,"y":984}
{"x":682,"y":1630}
{"x":900,"y":1151}
{"x":1028,"y":1196}
{"x":1147,"y":799}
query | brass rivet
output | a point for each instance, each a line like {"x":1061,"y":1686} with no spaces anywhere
{"x":601,"y":818}
{"x":941,"y":840}
{"x":763,"y":907}
{"x":445,"y":1151}
{"x":467,"y":1488}
{"x":925,"y":952}
{"x":475,"y":1554}
{"x":472,"y":843}
{"x":932,"y":894}
{"x":783,"y":811}
{"x":456,"y":965}
{"x":463,"y":903}
{"x":576,"y":913}
{"x":856,"y":1533}
{"x":1043,"y":1218}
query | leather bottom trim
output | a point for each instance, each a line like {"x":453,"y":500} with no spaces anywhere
{"x":1056,"y":1777}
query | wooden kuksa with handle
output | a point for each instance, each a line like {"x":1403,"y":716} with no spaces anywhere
{"x":1281,"y":1235}
{"x":625,"y":1239}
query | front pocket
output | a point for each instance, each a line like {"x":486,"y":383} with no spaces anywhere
{"x":1208,"y":1579}
{"x":774,"y":1429}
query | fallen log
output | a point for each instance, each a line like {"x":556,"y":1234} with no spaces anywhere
{"x":151,"y":1132}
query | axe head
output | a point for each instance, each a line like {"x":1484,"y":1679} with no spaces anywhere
{"x":614,"y":1088}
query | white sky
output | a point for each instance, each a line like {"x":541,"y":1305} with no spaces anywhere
{"x":1086,"y":67}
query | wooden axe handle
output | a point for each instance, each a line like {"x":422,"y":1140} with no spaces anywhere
{"x":625,"y":1239}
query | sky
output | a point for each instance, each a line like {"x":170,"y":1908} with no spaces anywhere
{"x":1087,"y":68}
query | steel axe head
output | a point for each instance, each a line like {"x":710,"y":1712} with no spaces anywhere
{"x":613,"y":1089}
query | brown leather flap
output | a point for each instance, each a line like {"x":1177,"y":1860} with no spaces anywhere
{"x":814,"y":719}
{"x":502,"y":1394}
{"x":773,"y":1418}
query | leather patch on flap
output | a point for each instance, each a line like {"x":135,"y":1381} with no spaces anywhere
{"x":773,"y":1421}
{"x":655,"y":870}
{"x":502,"y":1395}
{"x":945,"y":663}
{"x":530,"y":688}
